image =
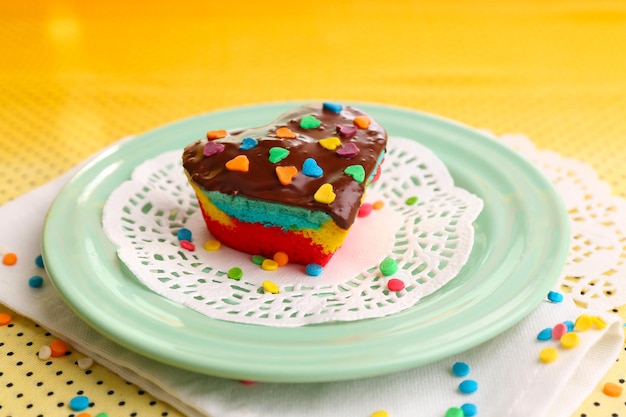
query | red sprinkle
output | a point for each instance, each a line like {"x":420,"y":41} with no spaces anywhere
{"x":395,"y":284}
{"x":559,"y":330}
{"x":247,"y":382}
{"x":185,"y":244}
{"x":365,"y":210}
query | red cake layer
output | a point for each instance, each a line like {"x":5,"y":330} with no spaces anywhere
{"x":266,"y":241}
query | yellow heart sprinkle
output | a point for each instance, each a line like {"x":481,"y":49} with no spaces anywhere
{"x":330,"y":143}
{"x":325,"y":194}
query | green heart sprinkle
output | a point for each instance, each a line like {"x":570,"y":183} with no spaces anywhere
{"x":277,"y":154}
{"x":309,"y":122}
{"x":356,"y":172}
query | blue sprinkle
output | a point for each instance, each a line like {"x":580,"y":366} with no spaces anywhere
{"x":570,"y":325}
{"x":545,"y":334}
{"x":313,"y":270}
{"x":311,"y":169}
{"x":332,"y":107}
{"x":469,"y":410}
{"x":460,"y":369}
{"x":184,"y":234}
{"x":79,"y":403}
{"x":39,"y":261}
{"x":555,"y":297}
{"x":35,"y":281}
{"x":248,"y":143}
{"x":468,"y":386}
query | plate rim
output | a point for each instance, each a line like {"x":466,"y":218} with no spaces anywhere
{"x":307,"y":373}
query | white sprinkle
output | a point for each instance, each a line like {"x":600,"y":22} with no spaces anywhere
{"x":44,"y":353}
{"x":84,"y":363}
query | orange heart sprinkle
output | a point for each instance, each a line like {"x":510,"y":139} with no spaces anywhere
{"x":362,"y":122}
{"x":216,"y":134}
{"x":239,"y":163}
{"x":285,"y":133}
{"x":286,"y":174}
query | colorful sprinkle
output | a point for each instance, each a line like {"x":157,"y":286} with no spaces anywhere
{"x":216,"y":134}
{"x":102,"y":415}
{"x":36,"y":281}
{"x":460,"y":369}
{"x":285,"y":133}
{"x":79,"y":403}
{"x":44,"y":353}
{"x":9,"y":259}
{"x":84,"y":363}
{"x":357,"y":172}
{"x":247,"y":382}
{"x":346,"y":131}
{"x":281,"y":258}
{"x":410,"y":201}
{"x":39,"y":261}
{"x":454,"y":412}
{"x":239,"y":163}
{"x":184,"y":234}
{"x":598,"y":322}
{"x":570,"y":325}
{"x":313,"y":270}
{"x":380,"y":413}
{"x":469,"y":410}
{"x":309,"y":122}
{"x":548,"y":355}
{"x":269,"y":265}
{"x":58,"y":348}
{"x":362,"y":122}
{"x":365,"y":210}
{"x":583,"y":323}
{"x":325,"y":194}
{"x":248,"y":143}
{"x":388,"y":267}
{"x":235,"y":273}
{"x":570,"y":340}
{"x":212,"y":245}
{"x":286,"y":174}
{"x":270,"y":287}
{"x":310,"y":168}
{"x":212,"y":148}
{"x":277,"y":154}
{"x":558,"y":331}
{"x":378,"y":204}
{"x":5,"y":318}
{"x":348,"y":151}
{"x":258,"y":259}
{"x":555,"y":296}
{"x":187,"y":245}
{"x":331,"y":143}
{"x":545,"y":334}
{"x":612,"y":390}
{"x":332,"y":107}
{"x":395,"y":285}
{"x":85,"y":414}
{"x":468,"y":386}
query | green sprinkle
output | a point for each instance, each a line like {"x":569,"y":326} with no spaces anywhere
{"x":235,"y":273}
{"x":454,"y":412}
{"x":356,"y":172}
{"x":309,"y":122}
{"x":410,"y":201}
{"x":258,"y":259}
{"x":277,"y":154}
{"x":388,"y":267}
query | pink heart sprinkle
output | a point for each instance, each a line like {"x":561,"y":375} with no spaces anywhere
{"x":348,"y":150}
{"x":346,"y":131}
{"x":212,"y":148}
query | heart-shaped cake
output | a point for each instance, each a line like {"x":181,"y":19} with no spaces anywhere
{"x":293,"y":186}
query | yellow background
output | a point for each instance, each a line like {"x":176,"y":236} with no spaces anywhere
{"x":76,"y":76}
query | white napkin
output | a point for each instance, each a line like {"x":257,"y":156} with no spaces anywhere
{"x":512,"y":381}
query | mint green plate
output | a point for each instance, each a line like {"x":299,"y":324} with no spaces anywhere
{"x":521,"y":244}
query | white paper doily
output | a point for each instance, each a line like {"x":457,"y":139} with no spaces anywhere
{"x":594,"y":273}
{"x":430,"y":241}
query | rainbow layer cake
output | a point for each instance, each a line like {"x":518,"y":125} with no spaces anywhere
{"x":294,"y":185}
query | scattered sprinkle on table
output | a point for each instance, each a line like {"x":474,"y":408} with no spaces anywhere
{"x":235,"y":273}
{"x":378,"y":204}
{"x":469,"y":410}
{"x":258,"y":259}
{"x":612,"y":390}
{"x":460,"y":369}
{"x":598,"y":322}
{"x":5,"y":318}
{"x":313,"y":270}
{"x":44,"y":353}
{"x":212,"y":245}
{"x":9,"y":259}
{"x":79,"y":403}
{"x":454,"y":412}
{"x":185,"y":244}
{"x":184,"y":234}
{"x":570,"y":340}
{"x":411,"y":201}
{"x":548,"y":355}
{"x":58,"y":348}
{"x":395,"y":285}
{"x":39,"y":261}
{"x":84,"y":363}
{"x":380,"y":413}
{"x":281,"y":258}
{"x":545,"y":334}
{"x":558,"y":331}
{"x":269,"y":265}
{"x":365,"y":210}
{"x":35,"y":281}
{"x":468,"y":386}
{"x":583,"y":323}
{"x":270,"y":286}
{"x":555,"y":296}
{"x":388,"y":267}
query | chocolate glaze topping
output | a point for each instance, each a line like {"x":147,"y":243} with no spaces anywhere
{"x":260,"y":182}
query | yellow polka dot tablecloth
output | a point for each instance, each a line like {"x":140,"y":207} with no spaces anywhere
{"x":77,"y":76}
